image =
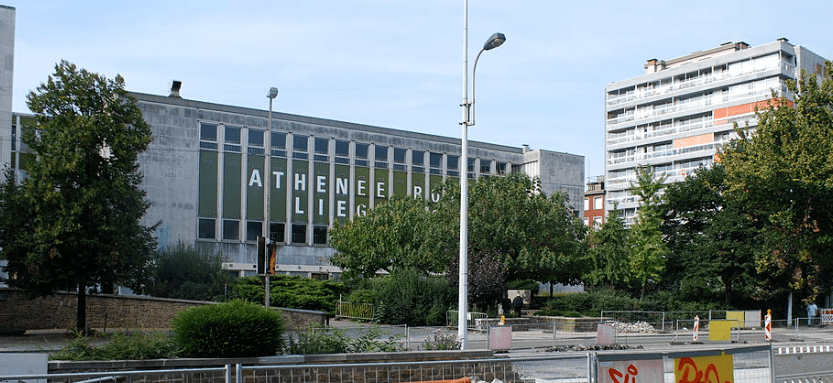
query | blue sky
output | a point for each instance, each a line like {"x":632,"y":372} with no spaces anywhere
{"x":399,"y":64}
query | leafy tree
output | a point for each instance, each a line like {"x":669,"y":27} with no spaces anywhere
{"x":783,"y":172}
{"x":183,"y":272}
{"x":710,"y":239}
{"x":488,"y":278}
{"x":532,"y":234}
{"x":608,"y":253}
{"x":646,"y":244}
{"x":393,"y":236}
{"x":76,"y":220}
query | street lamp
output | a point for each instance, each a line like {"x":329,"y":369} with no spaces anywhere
{"x":494,"y":41}
{"x":273,"y":92}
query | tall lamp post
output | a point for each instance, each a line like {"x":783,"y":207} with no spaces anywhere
{"x":494,"y":41}
{"x":273,"y":92}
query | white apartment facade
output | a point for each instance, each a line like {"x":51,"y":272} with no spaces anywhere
{"x":677,"y":115}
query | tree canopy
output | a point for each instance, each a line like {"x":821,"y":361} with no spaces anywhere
{"x":783,"y":172}
{"x":711,"y":241}
{"x":607,"y":256}
{"x":646,"y":244}
{"x":75,"y":221}
{"x":397,"y":235}
{"x":515,"y":232}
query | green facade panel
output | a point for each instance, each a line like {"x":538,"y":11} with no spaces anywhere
{"x":232,"y":194}
{"x":381,"y":185}
{"x":400,"y":184}
{"x":207,"y":205}
{"x":341,"y":199}
{"x":279,"y":180}
{"x":321,"y":193}
{"x":419,"y":188}
{"x":300,"y":186}
{"x":255,"y":187}
{"x":362,"y":189}
{"x":434,"y":193}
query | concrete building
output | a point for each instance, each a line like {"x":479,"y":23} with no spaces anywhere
{"x":204,"y":177}
{"x":677,"y":115}
{"x":594,"y":203}
{"x":7,"y":28}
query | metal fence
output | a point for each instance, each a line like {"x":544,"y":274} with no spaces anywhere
{"x":750,"y":365}
{"x":350,"y":310}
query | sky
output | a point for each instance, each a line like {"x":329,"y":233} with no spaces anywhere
{"x":397,"y":63}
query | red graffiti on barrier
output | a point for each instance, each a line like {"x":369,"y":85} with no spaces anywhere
{"x":689,"y":367}
{"x":630,"y":377}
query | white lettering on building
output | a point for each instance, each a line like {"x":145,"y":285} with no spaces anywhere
{"x":255,"y":179}
{"x":298,"y":209}
{"x":321,"y":184}
{"x":380,"y":189}
{"x":341,"y":208}
{"x":341,"y":185}
{"x":300,"y":181}
{"x":360,"y":188}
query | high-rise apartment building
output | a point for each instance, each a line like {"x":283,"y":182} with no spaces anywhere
{"x":677,"y":115}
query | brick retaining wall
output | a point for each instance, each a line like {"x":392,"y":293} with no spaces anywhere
{"x":58,"y":311}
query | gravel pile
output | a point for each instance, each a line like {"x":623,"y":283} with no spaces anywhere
{"x":638,"y":327}
{"x":595,"y":347}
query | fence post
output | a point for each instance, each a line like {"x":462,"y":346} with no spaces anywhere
{"x":238,"y":372}
{"x":663,"y":321}
{"x":591,"y":377}
{"x":407,"y":337}
{"x":553,"y":334}
{"x":227,"y":373}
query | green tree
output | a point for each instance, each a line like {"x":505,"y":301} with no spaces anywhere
{"x":783,"y":172}
{"x":184,"y":272}
{"x":396,"y":235}
{"x":710,"y":239}
{"x":75,"y":222}
{"x":533,"y":235}
{"x":646,"y":244}
{"x":608,"y":253}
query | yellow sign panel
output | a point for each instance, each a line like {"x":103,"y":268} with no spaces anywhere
{"x":704,"y":369}
{"x":738,"y":316}
{"x":721,"y":329}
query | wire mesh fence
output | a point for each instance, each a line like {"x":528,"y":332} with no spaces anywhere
{"x":750,"y":365}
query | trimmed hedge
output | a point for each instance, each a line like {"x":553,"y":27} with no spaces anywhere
{"x":233,"y":329}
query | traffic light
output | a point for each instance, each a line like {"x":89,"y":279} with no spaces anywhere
{"x":261,"y":255}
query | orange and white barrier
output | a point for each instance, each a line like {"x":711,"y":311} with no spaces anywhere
{"x":768,"y":325}
{"x":696,"y":327}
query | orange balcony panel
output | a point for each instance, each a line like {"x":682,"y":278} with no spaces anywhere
{"x":693,"y":140}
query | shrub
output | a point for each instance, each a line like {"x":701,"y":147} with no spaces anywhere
{"x":233,"y":329}
{"x":184,"y":272}
{"x":589,"y":304}
{"x":319,"y":340}
{"x":441,"y":341}
{"x":409,"y":297}
{"x":291,"y":292}
{"x":120,"y":346}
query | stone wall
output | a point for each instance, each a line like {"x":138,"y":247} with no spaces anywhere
{"x":18,"y":314}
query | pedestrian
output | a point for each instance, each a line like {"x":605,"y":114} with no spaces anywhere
{"x":518,"y":304}
{"x":811,"y":313}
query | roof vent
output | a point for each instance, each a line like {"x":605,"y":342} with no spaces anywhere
{"x":175,"y":87}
